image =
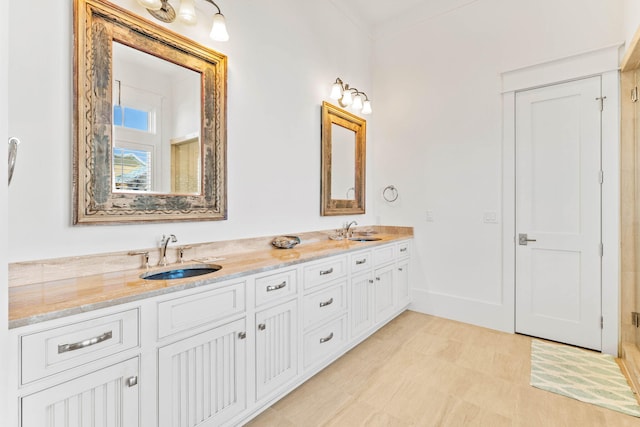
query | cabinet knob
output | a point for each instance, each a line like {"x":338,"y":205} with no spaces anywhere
{"x":370,"y":280}
{"x":132,"y":381}
{"x":242,"y":335}
{"x":262,"y":326}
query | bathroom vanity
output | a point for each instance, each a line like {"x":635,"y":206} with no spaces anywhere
{"x":211,"y":350}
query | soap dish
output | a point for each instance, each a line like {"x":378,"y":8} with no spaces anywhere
{"x":285,"y":242}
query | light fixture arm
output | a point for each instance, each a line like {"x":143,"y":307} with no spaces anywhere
{"x":214,"y":3}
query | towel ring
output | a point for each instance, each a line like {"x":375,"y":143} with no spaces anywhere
{"x":393,"y":196}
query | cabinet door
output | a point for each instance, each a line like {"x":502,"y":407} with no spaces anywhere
{"x":384,"y":293}
{"x":105,"y":398}
{"x":402,"y":279}
{"x":361,"y":305}
{"x":276,"y":347}
{"x":202,"y":379}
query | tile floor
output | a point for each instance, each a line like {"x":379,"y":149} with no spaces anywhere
{"x":422,"y":370}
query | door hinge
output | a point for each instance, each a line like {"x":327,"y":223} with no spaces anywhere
{"x":601,"y":322}
{"x":635,"y":319}
{"x":601,"y":250}
{"x":601,"y":99}
{"x":601,"y":176}
{"x":634,"y":94}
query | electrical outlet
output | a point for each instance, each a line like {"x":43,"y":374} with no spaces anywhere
{"x":430,"y":216}
{"x":490,"y":217}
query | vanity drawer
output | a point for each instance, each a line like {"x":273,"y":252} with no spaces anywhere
{"x":180,"y":314}
{"x":325,"y":341}
{"x":323,"y":272}
{"x":360,"y":261}
{"x":383,"y":255}
{"x":55,"y":350}
{"x":403,"y":250}
{"x":275,"y":286}
{"x":325,"y":303}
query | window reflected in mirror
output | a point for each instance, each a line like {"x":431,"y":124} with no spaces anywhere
{"x":343,"y":163}
{"x":156,"y":120}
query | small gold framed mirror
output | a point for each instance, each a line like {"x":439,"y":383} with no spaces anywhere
{"x":344,"y":137}
{"x":149,"y":122}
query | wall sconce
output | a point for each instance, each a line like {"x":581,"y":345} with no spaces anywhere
{"x":163,"y":11}
{"x":350,"y":96}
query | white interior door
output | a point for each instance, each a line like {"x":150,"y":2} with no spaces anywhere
{"x":558,"y":209}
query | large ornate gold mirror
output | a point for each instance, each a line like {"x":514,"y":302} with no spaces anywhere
{"x":150,"y":121}
{"x":344,"y":137}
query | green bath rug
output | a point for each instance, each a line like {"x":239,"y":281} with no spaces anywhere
{"x":582,"y":375}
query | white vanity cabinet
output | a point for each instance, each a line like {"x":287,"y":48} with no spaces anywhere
{"x":202,"y":379}
{"x":104,"y":398}
{"x":79,"y":371}
{"x":214,"y":355}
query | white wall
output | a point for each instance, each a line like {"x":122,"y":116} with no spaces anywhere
{"x":283,"y":57}
{"x":631,"y":19}
{"x":439,"y":137}
{"x":4,"y":244}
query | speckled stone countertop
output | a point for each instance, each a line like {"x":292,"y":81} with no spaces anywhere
{"x":38,"y":302}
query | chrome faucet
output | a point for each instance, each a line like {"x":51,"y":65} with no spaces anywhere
{"x":346,"y":230}
{"x":163,"y":248}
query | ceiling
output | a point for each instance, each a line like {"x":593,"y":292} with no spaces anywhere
{"x":382,"y":16}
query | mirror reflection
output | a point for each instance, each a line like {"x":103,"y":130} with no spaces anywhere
{"x":156,"y":120}
{"x":343,"y":160}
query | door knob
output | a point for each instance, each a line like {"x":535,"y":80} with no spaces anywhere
{"x":523,"y":239}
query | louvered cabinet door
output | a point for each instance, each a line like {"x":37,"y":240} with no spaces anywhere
{"x":202,"y":379}
{"x":276,"y":347}
{"x":105,"y":398}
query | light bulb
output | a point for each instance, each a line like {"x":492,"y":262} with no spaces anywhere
{"x":187,"y":12}
{"x":151,"y":4}
{"x":336,"y":91}
{"x":366,"y":107}
{"x":219,"y":28}
{"x":357,"y":102}
{"x":346,"y":98}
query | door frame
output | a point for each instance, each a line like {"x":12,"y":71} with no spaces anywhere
{"x":602,"y":62}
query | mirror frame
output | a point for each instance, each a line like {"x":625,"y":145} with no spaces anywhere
{"x":97,"y":24}
{"x":328,"y":206}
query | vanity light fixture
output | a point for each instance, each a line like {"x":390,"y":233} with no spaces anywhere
{"x":163,"y":11}
{"x":350,"y":96}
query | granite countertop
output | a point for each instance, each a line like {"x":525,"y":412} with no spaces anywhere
{"x":38,"y":302}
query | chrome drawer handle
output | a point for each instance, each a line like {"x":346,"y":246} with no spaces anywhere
{"x":276,"y":287}
{"x":329,"y":271}
{"x":132,"y":381}
{"x":242,"y":335}
{"x":400,"y":269}
{"x":326,"y":303}
{"x":361,"y":261}
{"x":329,"y":338}
{"x":63,"y":348}
{"x":403,"y":250}
{"x":262,"y":326}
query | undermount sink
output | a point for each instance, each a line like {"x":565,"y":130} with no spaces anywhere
{"x":364,"y":239}
{"x":182,"y":272}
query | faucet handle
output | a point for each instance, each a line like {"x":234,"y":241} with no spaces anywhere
{"x":181,"y":250}
{"x":145,"y":255}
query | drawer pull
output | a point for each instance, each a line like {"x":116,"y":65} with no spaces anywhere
{"x":378,"y":279}
{"x":403,"y":249}
{"x":132,"y":381}
{"x":328,"y":338}
{"x":276,"y":287}
{"x":262,"y":326}
{"x":400,"y":269}
{"x":63,"y":348}
{"x":326,"y":303}
{"x":361,"y":261}
{"x":242,"y":335}
{"x":325,"y":272}
{"x":370,"y":280}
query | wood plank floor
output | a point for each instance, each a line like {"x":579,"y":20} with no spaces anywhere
{"x":422,"y":370}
